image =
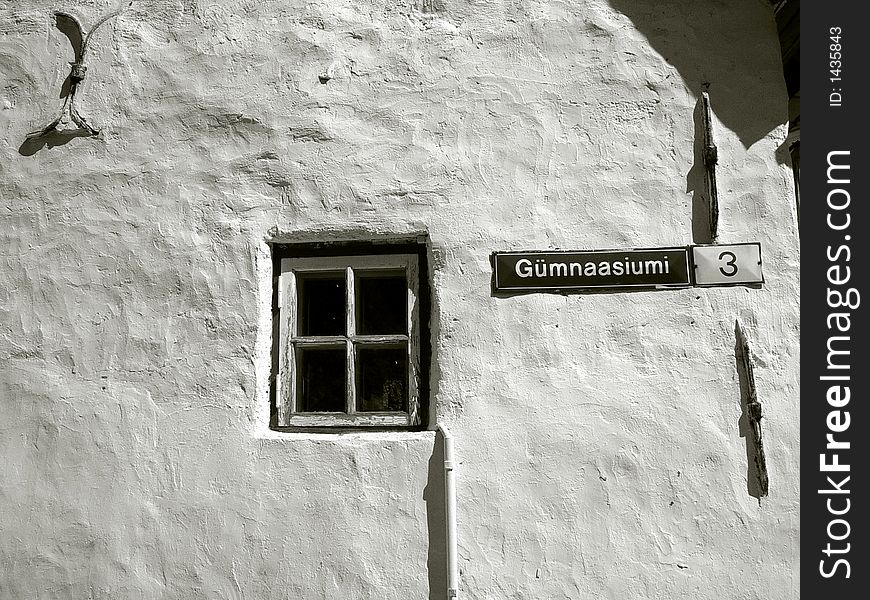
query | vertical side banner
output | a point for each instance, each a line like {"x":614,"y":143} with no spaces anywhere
{"x":834,"y":335}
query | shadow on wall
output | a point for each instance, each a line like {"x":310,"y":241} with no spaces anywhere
{"x":436,"y":517}
{"x":722,"y":48}
{"x":32,"y":145}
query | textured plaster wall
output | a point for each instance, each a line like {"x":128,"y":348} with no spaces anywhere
{"x":599,"y":436}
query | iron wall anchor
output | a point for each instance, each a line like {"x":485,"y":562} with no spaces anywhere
{"x":72,"y":28}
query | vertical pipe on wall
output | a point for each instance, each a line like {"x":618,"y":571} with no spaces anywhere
{"x":450,"y":513}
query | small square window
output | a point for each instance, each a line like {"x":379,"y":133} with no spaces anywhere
{"x":349,"y":341}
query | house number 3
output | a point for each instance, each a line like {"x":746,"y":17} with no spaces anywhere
{"x":731,"y":262}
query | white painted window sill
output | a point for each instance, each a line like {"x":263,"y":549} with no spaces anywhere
{"x":350,"y":436}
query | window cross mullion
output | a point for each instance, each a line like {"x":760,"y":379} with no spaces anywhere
{"x":350,"y":406}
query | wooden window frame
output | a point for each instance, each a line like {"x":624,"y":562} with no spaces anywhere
{"x":289,"y":340}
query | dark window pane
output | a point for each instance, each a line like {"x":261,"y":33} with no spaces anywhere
{"x":383,"y":304}
{"x":321,"y":304}
{"x":383,"y":379}
{"x":322,"y":377}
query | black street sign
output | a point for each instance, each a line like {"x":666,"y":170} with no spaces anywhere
{"x":598,"y":269}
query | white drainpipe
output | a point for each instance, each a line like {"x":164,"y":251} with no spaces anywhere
{"x":450,"y":513}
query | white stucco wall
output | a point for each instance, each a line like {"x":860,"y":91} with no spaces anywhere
{"x":598,"y":435}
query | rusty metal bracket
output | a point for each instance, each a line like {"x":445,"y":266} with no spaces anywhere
{"x":711,"y":157}
{"x":753,"y":410}
{"x":72,"y":28}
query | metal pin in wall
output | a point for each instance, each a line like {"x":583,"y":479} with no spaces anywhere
{"x":711,"y":157}
{"x":755,"y":443}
